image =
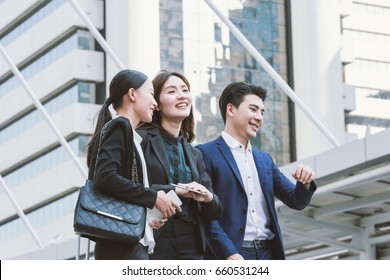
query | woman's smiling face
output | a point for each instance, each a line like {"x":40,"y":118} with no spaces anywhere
{"x":175,"y":100}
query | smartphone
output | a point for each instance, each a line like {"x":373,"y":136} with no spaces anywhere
{"x":187,"y":189}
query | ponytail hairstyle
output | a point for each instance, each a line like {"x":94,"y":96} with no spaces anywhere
{"x":188,"y":125}
{"x":119,"y":86}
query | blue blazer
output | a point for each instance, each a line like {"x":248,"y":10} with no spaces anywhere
{"x":225,"y":235}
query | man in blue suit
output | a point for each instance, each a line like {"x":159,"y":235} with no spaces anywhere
{"x":246,"y":180}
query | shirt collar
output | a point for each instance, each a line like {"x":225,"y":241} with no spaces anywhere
{"x":137,"y":137}
{"x":233,"y":143}
{"x":169,"y":138}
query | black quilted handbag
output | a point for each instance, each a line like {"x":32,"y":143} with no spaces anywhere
{"x":101,"y":216}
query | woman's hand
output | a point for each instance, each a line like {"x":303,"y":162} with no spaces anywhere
{"x":166,"y":206}
{"x":182,"y":192}
{"x":155,"y":224}
{"x":195,"y":191}
{"x":235,"y":257}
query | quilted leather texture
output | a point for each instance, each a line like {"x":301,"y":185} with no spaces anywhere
{"x":89,"y":223}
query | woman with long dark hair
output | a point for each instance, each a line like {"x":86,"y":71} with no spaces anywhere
{"x":171,"y":160}
{"x":132,"y":97}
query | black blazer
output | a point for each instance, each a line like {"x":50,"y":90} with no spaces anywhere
{"x":158,"y":174}
{"x":114,"y":165}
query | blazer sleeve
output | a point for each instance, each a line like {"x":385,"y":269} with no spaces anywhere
{"x":110,"y":167}
{"x":217,"y":239}
{"x":212,"y":209}
{"x":294,"y":196}
{"x":150,"y":155}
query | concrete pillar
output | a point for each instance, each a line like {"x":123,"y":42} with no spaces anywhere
{"x":369,"y":249}
{"x":133,"y":32}
{"x":317,"y":70}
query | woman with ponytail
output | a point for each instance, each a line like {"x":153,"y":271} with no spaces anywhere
{"x":132,"y":97}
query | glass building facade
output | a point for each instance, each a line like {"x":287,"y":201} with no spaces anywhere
{"x":196,"y":42}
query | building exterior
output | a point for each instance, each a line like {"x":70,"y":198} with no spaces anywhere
{"x":61,"y":62}
{"x":69,"y":71}
{"x":349,"y":42}
{"x":366,"y":65}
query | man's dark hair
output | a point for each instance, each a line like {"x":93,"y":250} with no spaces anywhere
{"x":234,"y":94}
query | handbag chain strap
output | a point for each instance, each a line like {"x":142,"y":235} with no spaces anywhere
{"x":100,"y":143}
{"x":134,"y":169}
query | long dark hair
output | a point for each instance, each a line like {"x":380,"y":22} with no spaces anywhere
{"x":188,"y":125}
{"x":119,"y":86}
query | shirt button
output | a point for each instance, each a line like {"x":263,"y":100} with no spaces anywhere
{"x":253,"y":211}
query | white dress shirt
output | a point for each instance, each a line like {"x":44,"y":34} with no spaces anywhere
{"x":257,"y":219}
{"x":148,"y":239}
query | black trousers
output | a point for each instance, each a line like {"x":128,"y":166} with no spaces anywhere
{"x":178,"y":240}
{"x":112,"y":250}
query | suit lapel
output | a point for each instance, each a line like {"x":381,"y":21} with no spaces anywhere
{"x":228,"y":156}
{"x":160,"y":153}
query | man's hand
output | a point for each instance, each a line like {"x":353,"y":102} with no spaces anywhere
{"x":304,"y":174}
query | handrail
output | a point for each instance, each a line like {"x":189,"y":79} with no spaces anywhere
{"x":96,"y":34}
{"x":40,"y":107}
{"x":20,"y":212}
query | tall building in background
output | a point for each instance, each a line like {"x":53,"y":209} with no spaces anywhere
{"x":65,"y":68}
{"x":69,"y":71}
{"x":365,"y":28}
{"x":340,"y":65}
